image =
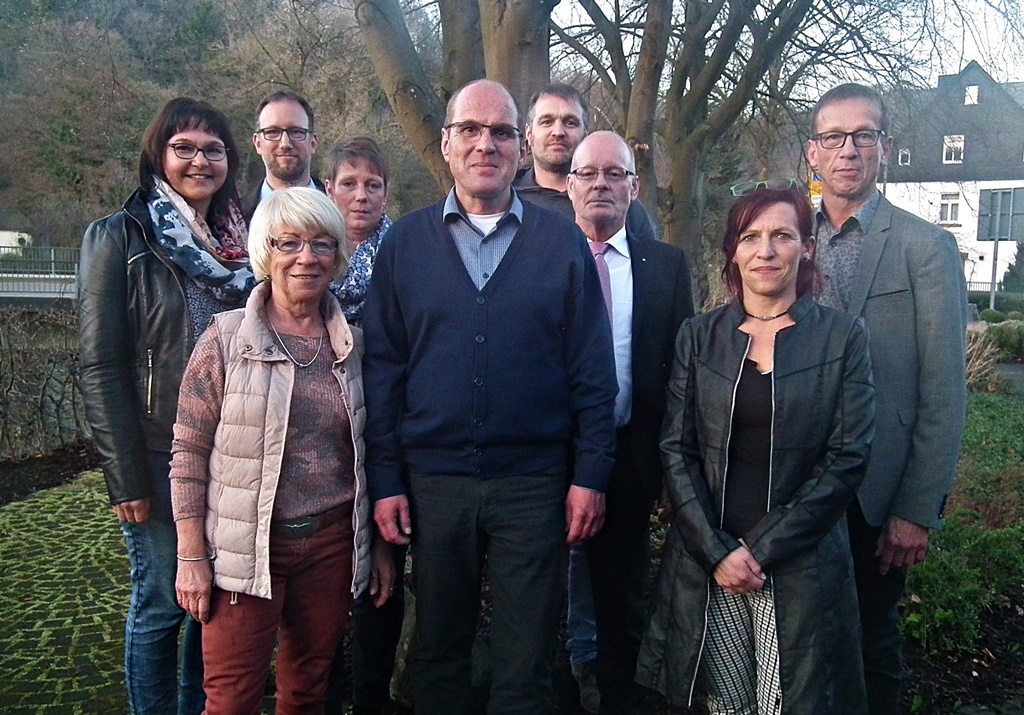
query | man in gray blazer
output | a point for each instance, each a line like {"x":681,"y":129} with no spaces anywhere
{"x":905,"y":277}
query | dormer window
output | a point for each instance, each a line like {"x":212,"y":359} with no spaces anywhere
{"x":971,"y":94}
{"x":903,"y":157}
{"x":953,"y":149}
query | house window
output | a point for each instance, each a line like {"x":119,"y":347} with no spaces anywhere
{"x":971,"y":94}
{"x":949,"y":209}
{"x":903,"y":157}
{"x":953,"y":149}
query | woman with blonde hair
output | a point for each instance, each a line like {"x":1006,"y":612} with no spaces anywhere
{"x":268,"y":487}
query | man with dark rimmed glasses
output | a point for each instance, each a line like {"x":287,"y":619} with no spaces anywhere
{"x":285,"y":140}
{"x":903,"y":275}
{"x":488,"y":369}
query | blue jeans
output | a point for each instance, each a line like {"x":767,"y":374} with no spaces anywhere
{"x":154,"y":617}
{"x":580,"y":621}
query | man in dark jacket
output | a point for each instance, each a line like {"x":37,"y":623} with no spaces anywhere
{"x":488,"y":362}
{"x":285,"y":140}
{"x":556,"y":123}
{"x":649,"y":291}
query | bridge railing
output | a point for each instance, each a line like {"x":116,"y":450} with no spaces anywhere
{"x":38,"y":260}
{"x":34,"y":272}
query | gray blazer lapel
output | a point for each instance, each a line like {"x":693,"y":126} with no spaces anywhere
{"x":871,"y":253}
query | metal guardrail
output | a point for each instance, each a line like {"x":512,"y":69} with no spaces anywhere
{"x":49,"y":272}
{"x":39,"y":261}
{"x":986,"y":287}
{"x":38,"y":272}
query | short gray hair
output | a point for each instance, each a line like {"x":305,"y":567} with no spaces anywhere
{"x":298,"y":209}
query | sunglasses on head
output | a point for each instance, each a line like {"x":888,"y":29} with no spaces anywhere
{"x":749,"y":187}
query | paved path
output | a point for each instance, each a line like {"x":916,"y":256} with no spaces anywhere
{"x":65,"y":588}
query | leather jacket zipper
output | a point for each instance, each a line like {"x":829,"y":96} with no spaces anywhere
{"x":149,"y":381}
{"x":721,"y":520}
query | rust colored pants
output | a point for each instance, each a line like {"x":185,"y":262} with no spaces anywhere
{"x":311,"y":586}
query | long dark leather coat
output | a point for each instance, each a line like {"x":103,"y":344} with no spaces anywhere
{"x":823,"y":411}
{"x":134,"y":343}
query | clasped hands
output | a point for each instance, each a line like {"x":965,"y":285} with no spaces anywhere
{"x":739,"y":572}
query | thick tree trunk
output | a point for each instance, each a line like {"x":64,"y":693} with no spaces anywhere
{"x":515,"y":34}
{"x":682,"y":209}
{"x":643,"y":102}
{"x":463,"y":44}
{"x":419,"y":110}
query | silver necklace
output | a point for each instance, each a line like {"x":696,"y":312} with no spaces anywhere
{"x":291,"y":357}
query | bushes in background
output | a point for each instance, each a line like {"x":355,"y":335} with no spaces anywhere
{"x":1008,"y":339}
{"x":1005,"y":302}
{"x":990,"y":315}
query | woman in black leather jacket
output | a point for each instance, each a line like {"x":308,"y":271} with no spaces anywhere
{"x":150,"y":278}
{"x":766,"y":437}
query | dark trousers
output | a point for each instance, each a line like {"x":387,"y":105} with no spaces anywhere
{"x":518,"y":525}
{"x":878,"y":597}
{"x":619,"y":559}
{"x":375,"y":636}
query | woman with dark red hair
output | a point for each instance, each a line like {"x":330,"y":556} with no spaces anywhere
{"x":769,"y":422}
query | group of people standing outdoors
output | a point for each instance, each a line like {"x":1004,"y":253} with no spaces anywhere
{"x":288,"y":391}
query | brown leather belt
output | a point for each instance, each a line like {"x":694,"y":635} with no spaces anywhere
{"x":304,"y":527}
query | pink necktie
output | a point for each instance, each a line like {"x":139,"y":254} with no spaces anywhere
{"x":598,"y":248}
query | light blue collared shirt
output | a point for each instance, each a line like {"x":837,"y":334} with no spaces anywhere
{"x":481,"y":254}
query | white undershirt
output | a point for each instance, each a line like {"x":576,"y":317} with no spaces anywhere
{"x":484,"y":223}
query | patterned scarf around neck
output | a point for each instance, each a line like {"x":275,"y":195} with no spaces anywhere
{"x":351,"y":291}
{"x":218,"y":263}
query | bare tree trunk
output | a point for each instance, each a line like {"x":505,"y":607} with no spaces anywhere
{"x":419,"y":110}
{"x":515,"y":35}
{"x":643,"y":103}
{"x":463,"y":44}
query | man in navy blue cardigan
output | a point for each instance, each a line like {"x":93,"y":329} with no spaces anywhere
{"x":488,"y":370}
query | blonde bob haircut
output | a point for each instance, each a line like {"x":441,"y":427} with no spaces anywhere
{"x":294,"y":210}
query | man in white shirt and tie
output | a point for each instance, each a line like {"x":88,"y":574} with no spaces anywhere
{"x":647,"y":290}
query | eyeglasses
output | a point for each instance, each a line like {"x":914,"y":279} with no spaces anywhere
{"x":321,"y":245}
{"x":214,"y":152}
{"x":274,"y":134}
{"x":861,"y":138}
{"x":749,"y":187}
{"x":613,"y":175}
{"x":471,"y":131}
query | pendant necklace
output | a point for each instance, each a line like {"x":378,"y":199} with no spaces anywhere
{"x":288,"y":354}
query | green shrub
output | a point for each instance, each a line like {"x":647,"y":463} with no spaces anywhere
{"x":968,"y":568}
{"x":1008,"y":339}
{"x":1004,"y":301}
{"x":992,"y":316}
{"x":1015,"y":315}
